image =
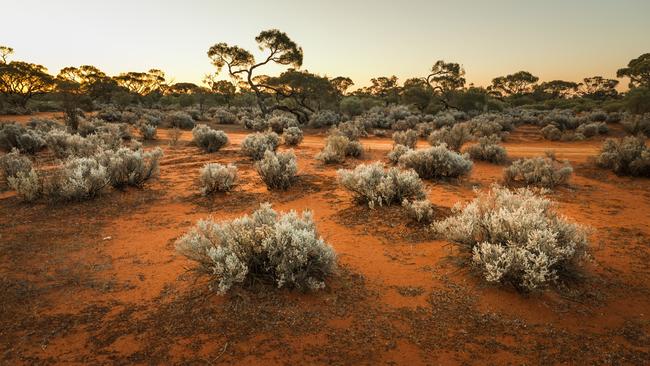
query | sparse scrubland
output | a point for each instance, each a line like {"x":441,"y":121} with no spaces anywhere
{"x":102,"y":176}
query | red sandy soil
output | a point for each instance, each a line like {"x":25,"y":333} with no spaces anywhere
{"x":99,"y":282}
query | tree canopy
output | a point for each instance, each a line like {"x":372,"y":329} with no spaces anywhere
{"x":638,"y":70}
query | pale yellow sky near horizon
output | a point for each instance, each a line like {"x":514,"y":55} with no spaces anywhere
{"x":553,"y":39}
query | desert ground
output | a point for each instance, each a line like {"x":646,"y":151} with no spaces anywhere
{"x":100,"y":282}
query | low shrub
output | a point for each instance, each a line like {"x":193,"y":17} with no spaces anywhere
{"x":436,"y":162}
{"x":279,"y":170}
{"x":279,"y":123}
{"x":552,"y":133}
{"x":592,"y":129}
{"x":215,"y":177}
{"x":540,"y":171}
{"x":207,"y":139}
{"x":639,"y":124}
{"x":516,"y":237}
{"x":407,"y":138}
{"x":180,"y":120}
{"x":283,"y":248}
{"x":79,"y":178}
{"x":256,"y":144}
{"x":488,"y":149}
{"x":375,"y":186}
{"x":292,"y":136}
{"x":148,"y":131}
{"x":13,"y":163}
{"x":419,"y":210}
{"x":337,"y":148}
{"x":353,"y":130}
{"x":26,"y":183}
{"x":64,"y":144}
{"x":15,"y":136}
{"x":397,"y":152}
{"x":453,"y":137}
{"x":224,"y":117}
{"x":126,"y":167}
{"x":627,"y":156}
{"x":324,"y":118}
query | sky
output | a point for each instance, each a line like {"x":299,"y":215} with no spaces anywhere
{"x":553,"y":39}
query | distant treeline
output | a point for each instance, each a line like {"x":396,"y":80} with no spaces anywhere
{"x":27,"y":87}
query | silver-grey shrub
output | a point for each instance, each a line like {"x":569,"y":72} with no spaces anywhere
{"x":375,"y":186}
{"x":627,"y":156}
{"x":453,"y":137}
{"x":180,"y":120}
{"x":516,"y":237}
{"x":126,"y":167}
{"x":407,"y":138}
{"x":79,"y":178}
{"x":284,"y":248}
{"x":488,"y":149}
{"x":419,"y":210}
{"x":337,"y":148}
{"x":397,"y":152}
{"x":215,"y":177}
{"x":255,"y":144}
{"x":280,"y":122}
{"x":436,"y":162}
{"x":148,"y":131}
{"x":207,"y":139}
{"x":14,"y":163}
{"x":27,"y":184}
{"x":324,"y":118}
{"x":539,"y":171}
{"x":14,"y":135}
{"x":277,"y":170}
{"x":292,"y":136}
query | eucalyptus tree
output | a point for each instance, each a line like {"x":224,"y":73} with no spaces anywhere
{"x":242,"y":66}
{"x":519,"y":83}
{"x":638,"y":70}
{"x":20,"y":81}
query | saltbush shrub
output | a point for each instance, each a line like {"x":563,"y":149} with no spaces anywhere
{"x":126,"y":167}
{"x":256,"y":144}
{"x":277,"y":170}
{"x":279,"y":123}
{"x":207,"y":139}
{"x":407,"y":138}
{"x":13,"y":163}
{"x":215,"y":177}
{"x":436,"y":162}
{"x":224,"y":116}
{"x":592,"y":129}
{"x":627,"y":156}
{"x":148,"y":131}
{"x":488,"y":149}
{"x":638,"y":124}
{"x":292,"y":136}
{"x":64,"y":144}
{"x":552,"y":133}
{"x":396,"y":153}
{"x":419,"y":210}
{"x":27,"y":184}
{"x":79,"y":178}
{"x":539,"y":171}
{"x":375,"y":186}
{"x":453,"y":137}
{"x":179,"y":119}
{"x":284,"y":248}
{"x":516,"y":237}
{"x":337,"y":148}
{"x":13,"y":135}
{"x":324,"y":118}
